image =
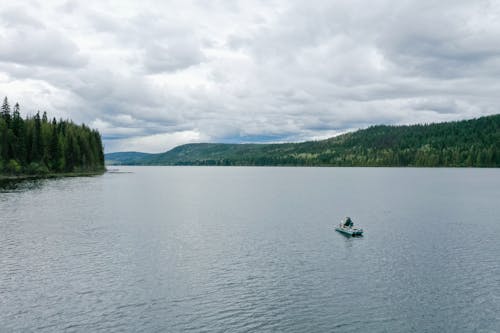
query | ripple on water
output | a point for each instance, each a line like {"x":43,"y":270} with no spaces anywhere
{"x":251,"y":249}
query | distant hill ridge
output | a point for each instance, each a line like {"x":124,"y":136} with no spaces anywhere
{"x":466,"y":143}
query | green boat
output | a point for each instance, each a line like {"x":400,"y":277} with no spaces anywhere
{"x":347,"y":227}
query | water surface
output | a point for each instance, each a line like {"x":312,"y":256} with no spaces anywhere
{"x":167,"y":249}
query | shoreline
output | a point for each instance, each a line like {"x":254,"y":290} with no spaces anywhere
{"x":306,"y":166}
{"x":52,"y":175}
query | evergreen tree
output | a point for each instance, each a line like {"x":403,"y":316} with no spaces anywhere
{"x":6,"y":110}
{"x":69,"y":153}
{"x":35,"y":145}
{"x":19,"y":144}
{"x":54,"y":152}
{"x":4,"y":141}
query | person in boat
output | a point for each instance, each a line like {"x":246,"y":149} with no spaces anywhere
{"x":348,"y":222}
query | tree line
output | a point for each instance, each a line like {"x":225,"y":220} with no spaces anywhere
{"x":466,"y":143}
{"x":37,"y":145}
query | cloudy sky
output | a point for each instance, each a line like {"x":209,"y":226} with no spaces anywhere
{"x":151,"y":76}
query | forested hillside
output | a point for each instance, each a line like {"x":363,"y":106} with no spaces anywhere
{"x":467,"y":143}
{"x":35,"y":145}
{"x":125,"y":158}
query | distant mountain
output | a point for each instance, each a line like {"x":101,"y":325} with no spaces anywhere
{"x":125,"y":158}
{"x":467,"y":143}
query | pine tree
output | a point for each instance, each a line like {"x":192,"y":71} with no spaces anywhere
{"x":19,"y":145}
{"x":6,"y":110}
{"x":69,"y":153}
{"x":54,"y":153}
{"x":36,"y":145}
{"x":4,"y":143}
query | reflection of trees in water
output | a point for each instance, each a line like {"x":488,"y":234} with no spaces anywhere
{"x":20,"y":185}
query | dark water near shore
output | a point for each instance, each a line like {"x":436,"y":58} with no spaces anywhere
{"x":166,"y":249}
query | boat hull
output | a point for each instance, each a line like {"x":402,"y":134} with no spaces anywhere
{"x":350,"y":232}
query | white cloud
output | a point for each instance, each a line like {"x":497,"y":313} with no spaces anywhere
{"x":27,"y":41}
{"x":151,"y":75}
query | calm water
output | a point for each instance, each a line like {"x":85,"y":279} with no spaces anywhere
{"x":166,"y":249}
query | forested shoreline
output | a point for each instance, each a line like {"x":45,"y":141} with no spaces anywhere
{"x":35,"y":145}
{"x":466,"y":143}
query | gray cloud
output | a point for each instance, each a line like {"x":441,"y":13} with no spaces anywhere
{"x":445,"y":39}
{"x":17,"y":17}
{"x":27,"y":41}
{"x":172,"y":56}
{"x":156,"y":75}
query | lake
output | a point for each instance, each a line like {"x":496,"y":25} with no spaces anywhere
{"x":243,"y":249}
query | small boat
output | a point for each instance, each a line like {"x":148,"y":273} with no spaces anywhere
{"x":347,"y":227}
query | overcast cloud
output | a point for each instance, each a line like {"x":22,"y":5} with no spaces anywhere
{"x":151,"y":75}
